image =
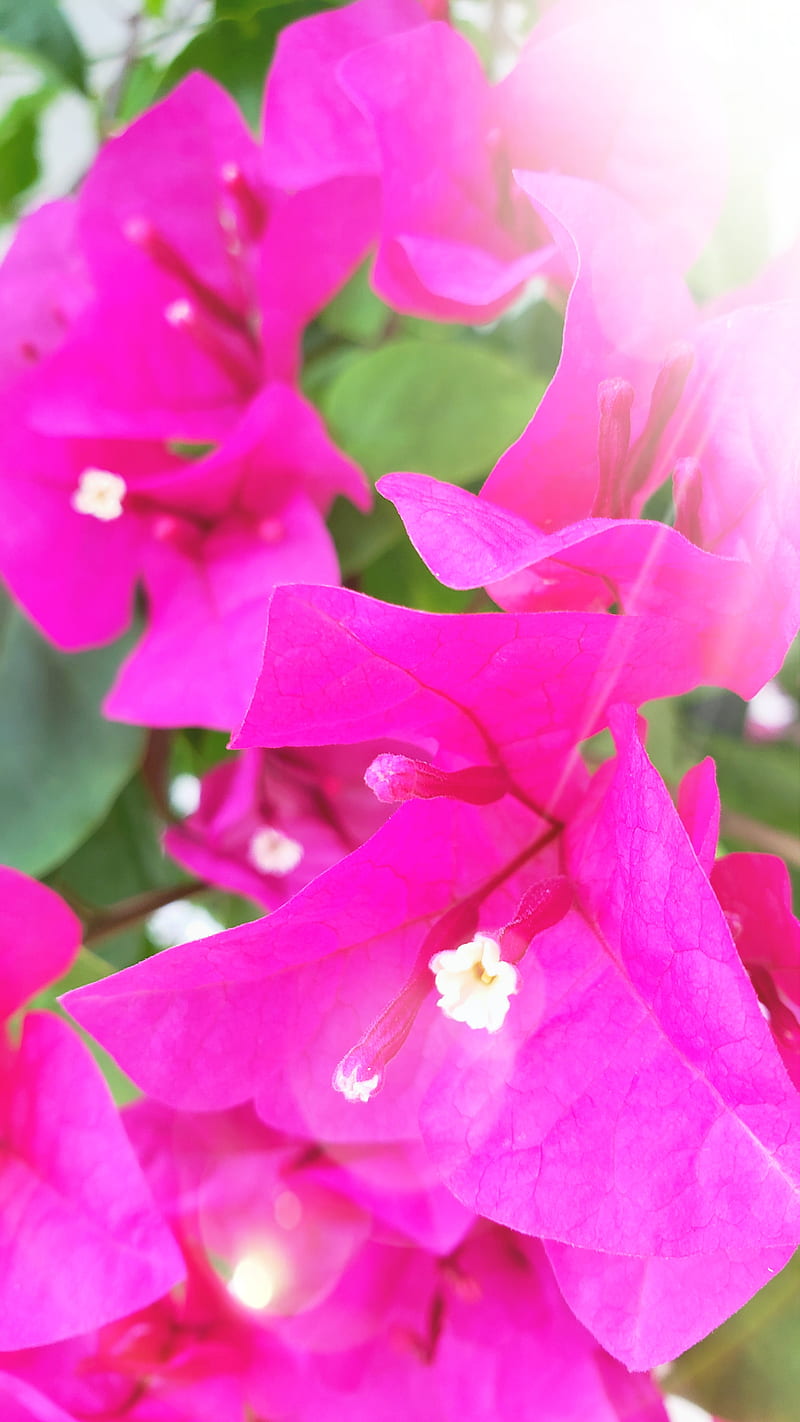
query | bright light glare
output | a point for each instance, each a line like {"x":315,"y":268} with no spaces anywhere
{"x":752,"y":50}
{"x":253,"y":1282}
{"x":770,"y":711}
{"x":679,"y":1410}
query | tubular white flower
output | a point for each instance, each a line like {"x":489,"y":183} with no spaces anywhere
{"x":475,"y":984}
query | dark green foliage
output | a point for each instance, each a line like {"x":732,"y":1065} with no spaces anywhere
{"x":62,"y":764}
{"x":39,"y":28}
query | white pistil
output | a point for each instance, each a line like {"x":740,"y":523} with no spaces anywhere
{"x":272,"y":852}
{"x":100,"y":494}
{"x":351,"y":1087}
{"x":474,"y":983}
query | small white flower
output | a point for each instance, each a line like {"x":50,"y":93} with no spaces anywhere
{"x":474,"y":983}
{"x":100,"y":494}
{"x":179,"y":313}
{"x":272,"y":852}
{"x":351,"y":1087}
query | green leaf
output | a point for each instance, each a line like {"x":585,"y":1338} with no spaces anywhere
{"x":362,"y":538}
{"x":422,"y":330}
{"x":154,"y":8}
{"x":323,"y":362}
{"x":667,"y":745}
{"x":400,"y":576}
{"x":758,"y":779}
{"x":88,"y":968}
{"x":61,"y":762}
{"x":122,"y":858}
{"x":789,"y":674}
{"x":231,"y":910}
{"x":446,"y":409}
{"x":189,"y":450}
{"x":195,"y":751}
{"x":19,"y":158}
{"x":356,"y":313}
{"x":140,"y":90}
{"x":531,"y":333}
{"x":38,"y":27}
{"x":749,"y":1369}
{"x":237,"y":48}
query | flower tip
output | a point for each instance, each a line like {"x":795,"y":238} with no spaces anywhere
{"x":351,"y":1085}
{"x":391,"y":778}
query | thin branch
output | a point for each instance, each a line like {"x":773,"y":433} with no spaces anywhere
{"x":135,"y":909}
{"x":112,"y":99}
{"x":761,"y":836}
{"x":155,"y":771}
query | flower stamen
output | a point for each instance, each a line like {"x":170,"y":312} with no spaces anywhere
{"x":99,"y":494}
{"x":476,"y":986}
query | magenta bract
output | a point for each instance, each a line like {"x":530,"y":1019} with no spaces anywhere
{"x":180,"y":304}
{"x":405,"y":102}
{"x":80,"y":1240}
{"x":631,"y":1080}
{"x":637,"y":566}
{"x":269,"y":822}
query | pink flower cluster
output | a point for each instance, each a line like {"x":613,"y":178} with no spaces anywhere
{"x":497,"y":1109}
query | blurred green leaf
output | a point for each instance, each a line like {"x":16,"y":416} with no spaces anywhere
{"x":61,"y":762}
{"x":356,"y":313}
{"x":122,"y":858}
{"x":530,"y":333}
{"x":361,"y":538}
{"x":661,"y":506}
{"x":749,"y":1369}
{"x":239,"y":9}
{"x":236,"y":49}
{"x":195,"y":751}
{"x":139,"y":91}
{"x":185,"y":449}
{"x":758,"y":779}
{"x":323,"y":361}
{"x":667,"y":745}
{"x":124,"y":855}
{"x":400,"y":576}
{"x":88,"y":968}
{"x":445,"y":409}
{"x":38,"y":27}
{"x":19,"y":158}
{"x":789,"y":674}
{"x":231,"y":910}
{"x":423,"y":330}
{"x":154,"y":8}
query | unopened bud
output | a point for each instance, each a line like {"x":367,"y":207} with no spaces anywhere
{"x":396,"y":778}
